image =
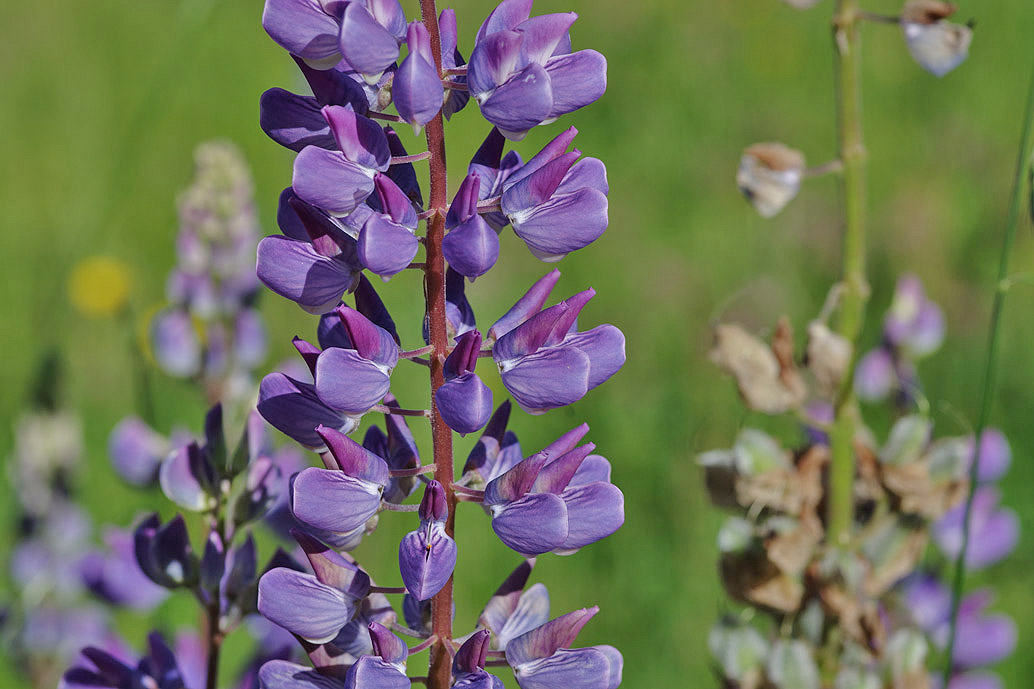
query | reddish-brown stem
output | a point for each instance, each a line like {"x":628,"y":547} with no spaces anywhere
{"x":439,"y":675}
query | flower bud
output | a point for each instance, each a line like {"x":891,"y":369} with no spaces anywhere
{"x":770,"y":176}
{"x":937,"y":45}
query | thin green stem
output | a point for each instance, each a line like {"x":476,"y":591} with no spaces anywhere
{"x":990,"y":367}
{"x":855,"y":292}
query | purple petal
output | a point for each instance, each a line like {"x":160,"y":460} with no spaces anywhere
{"x":594,"y":511}
{"x":332,"y":569}
{"x":333,"y":87}
{"x":875,"y":375}
{"x":293,"y":408}
{"x":586,"y":173}
{"x":605,"y":347}
{"x":529,"y":336}
{"x":558,"y":472}
{"x":984,"y":640}
{"x":465,"y":403}
{"x":369,"y":47}
{"x":386,"y":248}
{"x":404,"y":175}
{"x":175,"y":342}
{"x":532,"y":611}
{"x":295,"y":270}
{"x":417,"y":89}
{"x":577,"y":80}
{"x":506,"y":15}
{"x":535,"y":524}
{"x":180,"y":480}
{"x":582,"y":668}
{"x":543,"y":34}
{"x":427,"y":558}
{"x":287,"y":218}
{"x":552,"y":150}
{"x":136,"y":451}
{"x":354,"y":459}
{"x":527,"y":306}
{"x":359,"y":138}
{"x":493,"y":61}
{"x":581,"y":218}
{"x":327,"y":180}
{"x":593,"y":468}
{"x":293,"y":121}
{"x":548,"y":379}
{"x":523,"y":102}
{"x":617,"y":663}
{"x":333,"y":500}
{"x":349,"y":383}
{"x":471,"y":248}
{"x":370,"y":340}
{"x":394,"y":202}
{"x":543,"y":642}
{"x":995,"y":455}
{"x":281,"y":674}
{"x":976,"y":680}
{"x":302,"y":605}
{"x":516,"y":481}
{"x":464,"y":204}
{"x":372,"y":672}
{"x":370,"y":305}
{"x":302,"y":27}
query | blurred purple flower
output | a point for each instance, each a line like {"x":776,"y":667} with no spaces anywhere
{"x":994,"y":531}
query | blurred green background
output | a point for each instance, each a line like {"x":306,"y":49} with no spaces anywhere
{"x":104,"y":102}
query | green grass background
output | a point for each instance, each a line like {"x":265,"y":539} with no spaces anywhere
{"x":103,"y":103}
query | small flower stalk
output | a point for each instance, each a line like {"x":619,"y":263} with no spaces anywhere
{"x":845,"y":536}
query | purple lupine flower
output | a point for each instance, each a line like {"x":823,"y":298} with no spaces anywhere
{"x":526,"y":307}
{"x":114,"y":574}
{"x":542,"y":658}
{"x":399,"y":450}
{"x":341,"y":499}
{"x":339,"y":181}
{"x":459,"y":315}
{"x":493,"y":169}
{"x":995,"y":455}
{"x":546,"y":363}
{"x":314,"y":264}
{"x":471,"y":247}
{"x":994,"y":531}
{"x":371,"y":33}
{"x":451,"y":59}
{"x":522,"y":72}
{"x":175,"y":343}
{"x":386,"y":242}
{"x":315,"y":607}
{"x":512,"y":611}
{"x":417,"y":88}
{"x":283,"y":674}
{"x":163,"y":552}
{"x":296,"y":121}
{"x":913,"y":322}
{"x":875,"y":376}
{"x":305,"y":29}
{"x":98,"y":668}
{"x":136,"y":451}
{"x":553,"y":191}
{"x":427,"y":556}
{"x":464,"y":401}
{"x":293,"y":407}
{"x":188,"y":478}
{"x":352,"y":380}
{"x":548,"y":503}
{"x":468,"y":665}
{"x":496,"y":451}
{"x":385,"y":668}
{"x":981,"y":638}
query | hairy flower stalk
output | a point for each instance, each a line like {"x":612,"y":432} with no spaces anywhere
{"x":440,"y":673}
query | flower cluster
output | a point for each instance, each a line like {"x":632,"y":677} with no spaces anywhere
{"x":210,"y":330}
{"x":354,"y":211}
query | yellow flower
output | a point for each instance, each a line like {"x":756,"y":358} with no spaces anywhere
{"x":99,"y":285}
